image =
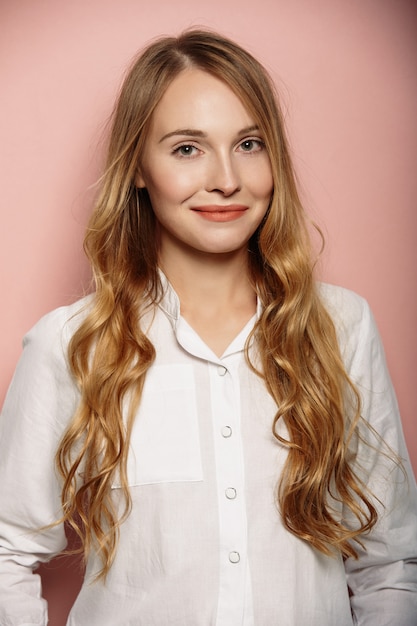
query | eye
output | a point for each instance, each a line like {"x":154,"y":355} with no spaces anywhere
{"x":185,"y":150}
{"x":251,"y":145}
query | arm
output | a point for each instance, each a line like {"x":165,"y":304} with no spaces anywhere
{"x":40,"y":401}
{"x":383,"y":581}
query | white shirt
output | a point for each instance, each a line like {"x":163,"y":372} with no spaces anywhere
{"x":204,"y":543}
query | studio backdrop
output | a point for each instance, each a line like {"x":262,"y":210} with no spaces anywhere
{"x":346,"y":72}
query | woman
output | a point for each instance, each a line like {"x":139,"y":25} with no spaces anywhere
{"x":226,"y":436}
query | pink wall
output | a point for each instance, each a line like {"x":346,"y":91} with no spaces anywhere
{"x":347,"y":72}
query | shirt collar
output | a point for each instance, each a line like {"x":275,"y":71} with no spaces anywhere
{"x":169,"y":303}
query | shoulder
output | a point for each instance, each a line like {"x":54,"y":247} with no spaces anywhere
{"x":350,"y":312}
{"x":354,"y":323}
{"x":342,"y":303}
{"x":54,"y":330}
{"x":43,"y":390}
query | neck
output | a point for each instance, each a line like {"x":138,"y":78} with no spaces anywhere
{"x":216,"y":295}
{"x":209,"y":280}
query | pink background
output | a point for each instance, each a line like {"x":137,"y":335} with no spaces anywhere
{"x":347,"y":73}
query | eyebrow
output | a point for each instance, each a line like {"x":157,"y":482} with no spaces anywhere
{"x":191,"y":132}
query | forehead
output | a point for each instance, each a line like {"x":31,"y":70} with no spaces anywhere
{"x":196,"y":99}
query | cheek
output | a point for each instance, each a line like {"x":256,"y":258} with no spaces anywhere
{"x":171,"y":186}
{"x":260,"y":180}
{"x":263,"y":189}
{"x":268,"y":180}
{"x":268,"y":185}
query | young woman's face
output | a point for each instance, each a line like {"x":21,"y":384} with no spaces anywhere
{"x":205,"y":168}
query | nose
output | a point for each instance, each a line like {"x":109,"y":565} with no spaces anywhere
{"x":223,"y":175}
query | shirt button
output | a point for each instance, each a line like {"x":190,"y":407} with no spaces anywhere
{"x":226,"y":432}
{"x":221,"y":370}
{"x":230,"y":493}
{"x":234,"y":557}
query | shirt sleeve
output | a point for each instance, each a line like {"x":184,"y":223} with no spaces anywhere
{"x":383,"y":580}
{"x":41,"y":399}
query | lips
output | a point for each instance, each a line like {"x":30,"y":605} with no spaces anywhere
{"x":219,"y":213}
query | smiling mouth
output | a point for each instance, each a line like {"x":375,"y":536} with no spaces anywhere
{"x":215,"y":213}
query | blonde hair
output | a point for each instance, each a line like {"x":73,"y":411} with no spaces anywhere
{"x":297,"y":348}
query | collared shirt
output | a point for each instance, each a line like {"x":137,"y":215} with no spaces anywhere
{"x":204,"y":543}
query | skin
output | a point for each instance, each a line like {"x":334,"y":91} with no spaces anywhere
{"x":209,"y":179}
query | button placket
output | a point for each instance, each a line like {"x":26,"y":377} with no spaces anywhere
{"x":225,"y":395}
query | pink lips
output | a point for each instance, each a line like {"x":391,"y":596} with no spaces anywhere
{"x":217,"y":213}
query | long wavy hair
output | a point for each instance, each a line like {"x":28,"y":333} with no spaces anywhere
{"x":296,"y":345}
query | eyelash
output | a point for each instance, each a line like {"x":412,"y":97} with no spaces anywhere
{"x":177,"y":150}
{"x":260,"y":143}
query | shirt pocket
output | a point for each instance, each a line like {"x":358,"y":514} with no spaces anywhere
{"x":165,"y":442}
